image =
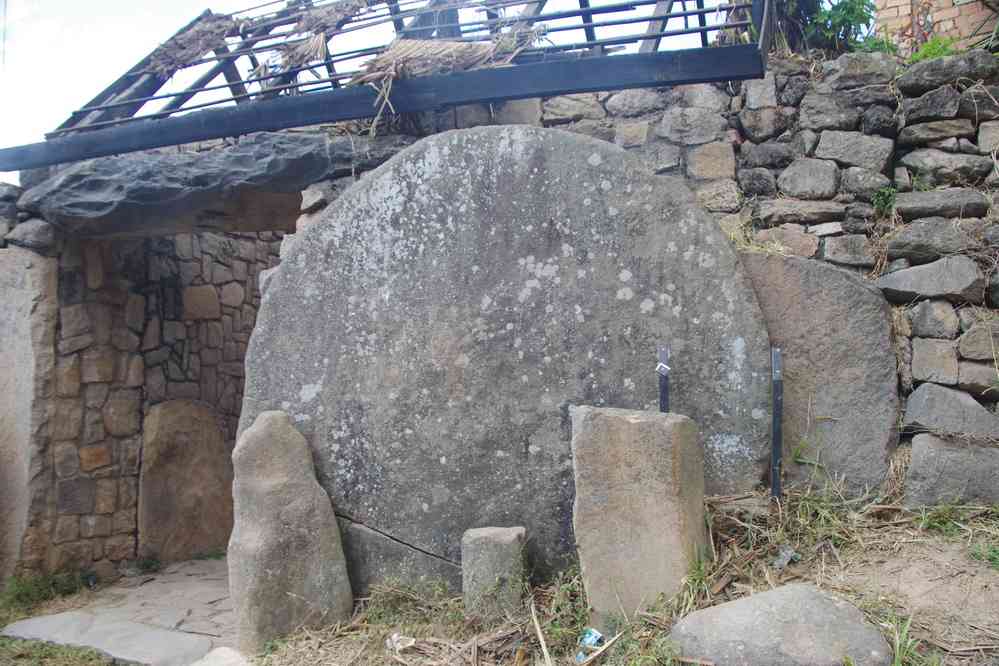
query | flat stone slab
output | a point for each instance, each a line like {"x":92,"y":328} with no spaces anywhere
{"x":252,"y":185}
{"x":841,"y":400}
{"x":429,"y":334}
{"x":792,"y":625}
{"x":170,"y":618}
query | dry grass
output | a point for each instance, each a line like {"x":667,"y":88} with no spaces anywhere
{"x":204,"y":36}
{"x":827,"y":538}
{"x":408,"y":58}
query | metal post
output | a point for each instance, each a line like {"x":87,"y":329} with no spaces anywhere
{"x":662,"y":369}
{"x":777,"y":444}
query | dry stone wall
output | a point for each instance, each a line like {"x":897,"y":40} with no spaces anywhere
{"x":137,"y":323}
{"x":879,"y":170}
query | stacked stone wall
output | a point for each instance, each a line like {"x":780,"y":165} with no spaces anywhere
{"x":139,"y":322}
{"x":881,"y":171}
{"x":884,"y":171}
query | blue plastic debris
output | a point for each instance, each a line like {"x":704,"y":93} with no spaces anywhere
{"x":589,"y":641}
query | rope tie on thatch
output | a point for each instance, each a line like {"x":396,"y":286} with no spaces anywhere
{"x":408,"y":58}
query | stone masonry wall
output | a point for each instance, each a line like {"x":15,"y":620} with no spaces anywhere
{"x":883,"y":172}
{"x":140,"y":322}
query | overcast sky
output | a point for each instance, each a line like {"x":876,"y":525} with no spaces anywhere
{"x":59,"y":54}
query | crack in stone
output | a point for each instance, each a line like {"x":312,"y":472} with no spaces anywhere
{"x":397,"y":540}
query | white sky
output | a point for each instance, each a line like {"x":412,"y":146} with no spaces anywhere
{"x":60,"y":53}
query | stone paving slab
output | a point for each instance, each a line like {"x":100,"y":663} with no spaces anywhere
{"x":170,"y":618}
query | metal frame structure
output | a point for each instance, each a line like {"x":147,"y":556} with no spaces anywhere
{"x":244,"y":80}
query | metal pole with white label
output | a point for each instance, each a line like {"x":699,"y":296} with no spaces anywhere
{"x":777,"y":443}
{"x":662,"y":369}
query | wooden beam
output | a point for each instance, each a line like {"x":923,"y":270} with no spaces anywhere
{"x":231,"y":74}
{"x":538,"y":79}
{"x":651,"y":44}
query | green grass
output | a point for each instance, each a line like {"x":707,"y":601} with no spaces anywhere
{"x":149,"y":564}
{"x":934,"y":47}
{"x":987,"y":553}
{"x":941,"y":519}
{"x":216,"y":554}
{"x":22,"y":594}
{"x":20,"y":597}
{"x":884,"y":201}
{"x":32,"y":653}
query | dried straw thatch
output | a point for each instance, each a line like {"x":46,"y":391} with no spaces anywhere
{"x":406,"y":58}
{"x":207,"y":34}
{"x":322,"y":23}
{"x":328,"y":18}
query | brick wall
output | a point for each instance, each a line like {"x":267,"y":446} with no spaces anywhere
{"x":914,"y":21}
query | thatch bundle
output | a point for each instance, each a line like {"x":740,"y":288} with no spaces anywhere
{"x":407,"y":58}
{"x":204,"y":36}
{"x":321,"y":23}
{"x":328,"y":18}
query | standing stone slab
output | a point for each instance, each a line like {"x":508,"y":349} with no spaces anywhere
{"x":429,"y":334}
{"x":639,"y":509}
{"x":28,"y":317}
{"x":286,"y":563}
{"x":793,"y":625}
{"x":834,"y":330}
{"x":492,"y":571}
{"x":951,"y":471}
{"x":185,"y":484}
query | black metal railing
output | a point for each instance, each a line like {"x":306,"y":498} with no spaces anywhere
{"x":291,"y":63}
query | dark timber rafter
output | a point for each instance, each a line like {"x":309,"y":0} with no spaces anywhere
{"x":546,"y":56}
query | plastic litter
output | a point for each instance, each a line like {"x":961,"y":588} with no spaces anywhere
{"x":785,"y":555}
{"x":590,"y":640}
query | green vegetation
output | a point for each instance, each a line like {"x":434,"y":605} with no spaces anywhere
{"x":32,"y":653}
{"x":988,"y":553}
{"x":934,"y":47}
{"x":842,"y":26}
{"x":941,"y":519}
{"x":216,"y":554}
{"x":22,"y":594}
{"x":884,"y":201}
{"x":149,"y":564}
{"x":878,"y":44}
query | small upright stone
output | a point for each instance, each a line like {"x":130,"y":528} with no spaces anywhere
{"x":286,"y":563}
{"x":492,"y":570}
{"x":934,"y":319}
{"x":639,"y":513}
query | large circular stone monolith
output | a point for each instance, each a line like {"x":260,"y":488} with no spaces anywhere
{"x":429,"y":334}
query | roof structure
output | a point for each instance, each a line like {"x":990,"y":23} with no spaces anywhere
{"x":291,"y":63}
